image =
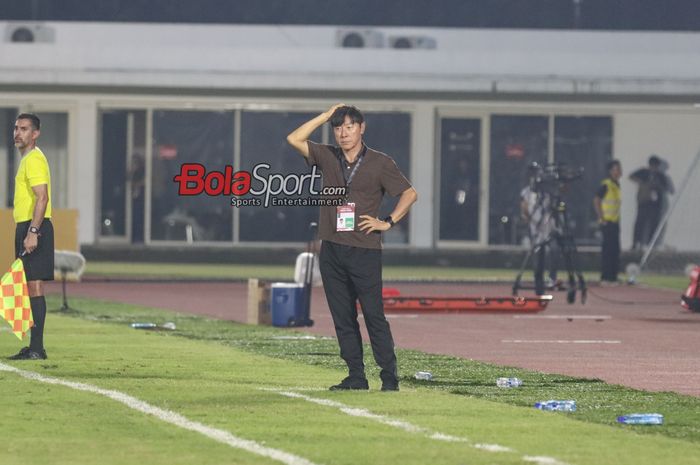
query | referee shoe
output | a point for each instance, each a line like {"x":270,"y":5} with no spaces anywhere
{"x":26,"y":353}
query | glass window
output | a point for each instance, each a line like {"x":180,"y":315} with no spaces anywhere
{"x":390,"y":133}
{"x":583,"y":142}
{"x":460,"y":167}
{"x":516,"y":141}
{"x":114,"y":173}
{"x":204,"y":137}
{"x":123,"y":174}
{"x":263,"y":140}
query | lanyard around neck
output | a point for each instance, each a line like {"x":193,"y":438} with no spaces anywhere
{"x":348,"y":179}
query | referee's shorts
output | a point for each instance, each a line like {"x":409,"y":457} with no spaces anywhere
{"x":38,"y":265}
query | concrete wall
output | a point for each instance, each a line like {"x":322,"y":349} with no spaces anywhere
{"x":675,"y":137}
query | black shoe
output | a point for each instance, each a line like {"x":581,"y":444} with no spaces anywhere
{"x":351,"y":384}
{"x":27,"y":354}
{"x":18,"y":356}
{"x":390,"y":386}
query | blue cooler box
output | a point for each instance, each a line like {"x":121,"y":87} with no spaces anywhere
{"x":286,"y":303}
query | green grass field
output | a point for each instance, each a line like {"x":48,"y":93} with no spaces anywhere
{"x":283,"y":272}
{"x":222,"y":374}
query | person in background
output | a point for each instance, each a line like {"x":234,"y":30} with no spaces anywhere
{"x":653,"y":185}
{"x":536,"y":212}
{"x":607,"y":203}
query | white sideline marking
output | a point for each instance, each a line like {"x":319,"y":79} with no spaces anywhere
{"x":559,"y":341}
{"x":563,"y":317}
{"x":168,"y":417}
{"x":543,"y":460}
{"x":493,"y":448}
{"x":301,"y":389}
{"x":364,"y":413}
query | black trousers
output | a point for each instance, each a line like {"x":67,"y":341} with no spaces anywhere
{"x":352,"y":273}
{"x":610,"y":251}
{"x":648,"y":219}
{"x":546,"y":255}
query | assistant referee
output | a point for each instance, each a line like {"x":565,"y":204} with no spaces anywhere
{"x":34,"y":232}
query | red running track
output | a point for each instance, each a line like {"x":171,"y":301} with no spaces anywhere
{"x":634,"y":336}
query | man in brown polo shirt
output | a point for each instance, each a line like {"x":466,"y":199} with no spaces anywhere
{"x":351,"y":252}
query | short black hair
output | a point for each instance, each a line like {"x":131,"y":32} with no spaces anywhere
{"x":613,"y":163}
{"x":338,"y":117}
{"x":36,"y":123}
{"x":654,"y":160}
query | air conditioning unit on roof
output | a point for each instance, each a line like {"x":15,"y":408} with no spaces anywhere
{"x":359,"y":38}
{"x":29,"y":33}
{"x":412,"y":42}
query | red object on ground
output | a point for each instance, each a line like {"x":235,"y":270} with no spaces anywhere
{"x":394,"y":302}
{"x":390,"y":292}
{"x":691,"y":299}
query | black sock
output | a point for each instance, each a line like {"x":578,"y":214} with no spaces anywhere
{"x":38,"y":304}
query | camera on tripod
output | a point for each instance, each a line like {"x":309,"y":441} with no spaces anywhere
{"x":551,"y":226}
{"x":552,"y":178}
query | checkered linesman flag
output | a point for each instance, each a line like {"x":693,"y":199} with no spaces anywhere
{"x":14,"y":300}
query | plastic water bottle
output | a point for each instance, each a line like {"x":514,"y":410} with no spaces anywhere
{"x":424,"y":375}
{"x":642,"y":419}
{"x":143,"y":325}
{"x":557,"y":405}
{"x":509,"y":382}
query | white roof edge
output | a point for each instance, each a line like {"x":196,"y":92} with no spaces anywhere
{"x":307,"y":57}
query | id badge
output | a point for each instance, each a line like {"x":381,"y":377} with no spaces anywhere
{"x":345,"y":217}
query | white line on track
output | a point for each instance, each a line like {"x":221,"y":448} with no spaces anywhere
{"x":562,"y":317}
{"x":393,"y":316}
{"x":169,"y":417}
{"x":560,"y":341}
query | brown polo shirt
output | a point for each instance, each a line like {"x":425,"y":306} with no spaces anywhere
{"x":376,"y":175}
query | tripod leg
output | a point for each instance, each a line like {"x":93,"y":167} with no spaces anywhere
{"x":567,"y":254}
{"x":516,"y":283}
{"x":581,"y":280}
{"x":64,"y":307}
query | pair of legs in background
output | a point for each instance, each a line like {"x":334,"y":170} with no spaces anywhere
{"x":545,"y":257}
{"x":38,"y":267}
{"x":610,"y":252}
{"x":352,"y":273}
{"x":648,"y":219}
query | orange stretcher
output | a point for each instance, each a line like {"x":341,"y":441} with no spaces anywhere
{"x":394,"y":302}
